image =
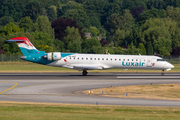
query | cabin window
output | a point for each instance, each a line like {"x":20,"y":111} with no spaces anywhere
{"x":91,"y":58}
{"x":111,"y":59}
{"x":115,"y":59}
{"x":123,"y":59}
{"x":106,"y":58}
{"x":102,"y":58}
{"x":78,"y":58}
{"x":86,"y":58}
{"x":94,"y":58}
{"x":136,"y":59}
{"x":82,"y":58}
{"x":98,"y":58}
{"x":127,"y":59}
{"x":70,"y":58}
{"x":74,"y":58}
{"x":119,"y":59}
{"x":132,"y":60}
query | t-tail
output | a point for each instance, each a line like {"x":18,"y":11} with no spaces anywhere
{"x":25,"y":45}
{"x":29,"y":51}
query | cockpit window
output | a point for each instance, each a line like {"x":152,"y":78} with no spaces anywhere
{"x":160,"y":60}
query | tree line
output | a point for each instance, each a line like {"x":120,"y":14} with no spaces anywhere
{"x":116,"y":26}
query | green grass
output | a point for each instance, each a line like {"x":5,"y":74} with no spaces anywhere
{"x":29,"y":67}
{"x":33,"y":67}
{"x":32,"y":111}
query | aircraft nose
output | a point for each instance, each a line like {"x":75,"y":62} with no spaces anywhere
{"x":169,"y":65}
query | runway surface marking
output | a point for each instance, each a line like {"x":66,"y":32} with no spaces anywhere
{"x":8,"y":88}
{"x":148,"y":77}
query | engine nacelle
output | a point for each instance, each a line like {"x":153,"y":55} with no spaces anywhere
{"x":53,"y":56}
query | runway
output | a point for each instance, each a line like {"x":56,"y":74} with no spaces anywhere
{"x":67,"y":87}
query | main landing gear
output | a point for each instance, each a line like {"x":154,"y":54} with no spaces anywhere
{"x":162,"y":72}
{"x":84,"y":73}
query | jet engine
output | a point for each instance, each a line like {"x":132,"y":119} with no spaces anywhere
{"x":53,"y":56}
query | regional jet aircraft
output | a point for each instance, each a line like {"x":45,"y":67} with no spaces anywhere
{"x":84,"y":62}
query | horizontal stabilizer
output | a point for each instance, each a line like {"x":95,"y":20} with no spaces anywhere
{"x":18,"y":39}
{"x":15,"y":40}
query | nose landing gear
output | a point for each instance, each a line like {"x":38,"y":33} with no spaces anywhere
{"x":162,"y":72}
{"x":84,"y":73}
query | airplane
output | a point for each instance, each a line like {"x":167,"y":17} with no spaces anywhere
{"x":84,"y":62}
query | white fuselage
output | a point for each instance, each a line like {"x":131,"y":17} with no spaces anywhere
{"x":104,"y":61}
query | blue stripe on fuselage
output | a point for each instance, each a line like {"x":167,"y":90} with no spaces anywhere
{"x":66,"y":54}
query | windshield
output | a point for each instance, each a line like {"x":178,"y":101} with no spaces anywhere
{"x":160,"y":60}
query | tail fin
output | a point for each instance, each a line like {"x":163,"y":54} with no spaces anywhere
{"x":25,"y":45}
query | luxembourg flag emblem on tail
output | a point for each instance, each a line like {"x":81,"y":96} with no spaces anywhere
{"x":25,"y":45}
{"x":22,"y":42}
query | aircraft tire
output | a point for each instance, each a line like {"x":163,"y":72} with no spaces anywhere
{"x":84,"y":73}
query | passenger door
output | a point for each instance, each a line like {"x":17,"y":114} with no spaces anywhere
{"x":149,"y":62}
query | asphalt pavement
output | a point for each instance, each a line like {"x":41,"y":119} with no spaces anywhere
{"x":68,"y":87}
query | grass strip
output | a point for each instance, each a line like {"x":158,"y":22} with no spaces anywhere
{"x":32,"y":111}
{"x":154,"y":91}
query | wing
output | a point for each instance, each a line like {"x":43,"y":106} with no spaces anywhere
{"x":81,"y":67}
{"x":84,"y":67}
{"x":88,"y":67}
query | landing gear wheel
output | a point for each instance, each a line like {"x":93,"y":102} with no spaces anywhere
{"x":84,"y":73}
{"x":162,"y":72}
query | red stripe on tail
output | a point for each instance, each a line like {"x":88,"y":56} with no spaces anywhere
{"x":26,"y":40}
